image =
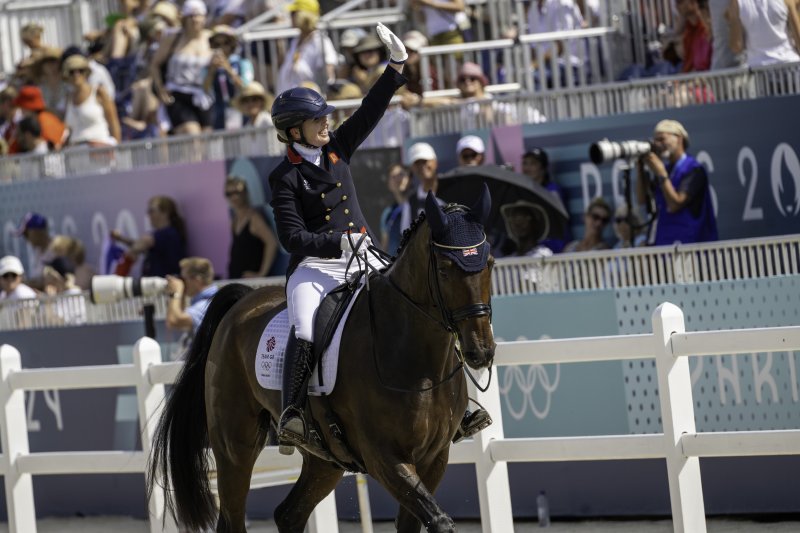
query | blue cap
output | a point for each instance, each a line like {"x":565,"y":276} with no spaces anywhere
{"x":31,"y":220}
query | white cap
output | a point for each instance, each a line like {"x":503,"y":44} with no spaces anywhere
{"x":471,"y":142}
{"x":11,"y":264}
{"x":194,"y":7}
{"x":420,"y":151}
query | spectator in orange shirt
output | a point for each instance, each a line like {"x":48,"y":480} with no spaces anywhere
{"x":31,"y":102}
{"x":696,"y":35}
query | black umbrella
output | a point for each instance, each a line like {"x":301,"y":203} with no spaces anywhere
{"x":463,"y":185}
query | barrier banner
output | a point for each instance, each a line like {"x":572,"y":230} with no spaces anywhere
{"x":90,"y":207}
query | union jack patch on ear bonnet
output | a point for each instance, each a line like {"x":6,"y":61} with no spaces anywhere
{"x":458,"y":232}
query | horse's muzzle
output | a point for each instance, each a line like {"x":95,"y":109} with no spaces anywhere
{"x":481,"y":358}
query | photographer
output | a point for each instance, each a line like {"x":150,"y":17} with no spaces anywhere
{"x":679,"y":187}
{"x":197,"y":274}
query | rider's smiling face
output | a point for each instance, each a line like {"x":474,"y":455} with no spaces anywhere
{"x":315,"y":131}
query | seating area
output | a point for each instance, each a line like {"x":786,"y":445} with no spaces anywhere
{"x":520,"y":89}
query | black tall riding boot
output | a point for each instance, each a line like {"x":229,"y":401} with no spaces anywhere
{"x":296,"y":373}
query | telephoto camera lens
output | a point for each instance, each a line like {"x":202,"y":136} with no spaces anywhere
{"x":111,"y":288}
{"x":605,"y":150}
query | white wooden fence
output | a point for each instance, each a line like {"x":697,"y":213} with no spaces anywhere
{"x":679,"y":444}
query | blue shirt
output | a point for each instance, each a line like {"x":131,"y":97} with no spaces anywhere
{"x":199,"y":304}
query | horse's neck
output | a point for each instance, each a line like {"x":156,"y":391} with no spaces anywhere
{"x":410,"y":271}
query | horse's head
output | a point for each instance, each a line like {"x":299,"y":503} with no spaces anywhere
{"x":460,"y":272}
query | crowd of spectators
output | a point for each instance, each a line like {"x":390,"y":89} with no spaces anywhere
{"x":177,"y":67}
{"x":164,"y":67}
{"x":719,"y":34}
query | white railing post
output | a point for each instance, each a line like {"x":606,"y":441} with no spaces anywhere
{"x":677,"y":416}
{"x":14,"y":436}
{"x":364,"y":505}
{"x":494,"y":492}
{"x":150,"y":399}
{"x":324,"y":518}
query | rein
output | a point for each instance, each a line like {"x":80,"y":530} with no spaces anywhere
{"x":447,"y":322}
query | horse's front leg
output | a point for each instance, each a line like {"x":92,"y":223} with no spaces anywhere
{"x":317,"y":479}
{"x":431,"y":475}
{"x":403,"y":482}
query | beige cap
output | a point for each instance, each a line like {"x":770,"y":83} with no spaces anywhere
{"x":672,"y":126}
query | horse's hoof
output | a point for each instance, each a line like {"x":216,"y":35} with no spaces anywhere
{"x":283,"y":449}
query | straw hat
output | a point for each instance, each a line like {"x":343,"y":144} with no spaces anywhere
{"x":537,"y":213}
{"x":47,"y":52}
{"x":166,"y":10}
{"x":74,"y":62}
{"x":223,"y":30}
{"x":369,"y":42}
{"x":348,"y":91}
{"x":415,"y":40}
{"x":251,"y":89}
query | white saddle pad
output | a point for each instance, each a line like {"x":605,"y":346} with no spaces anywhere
{"x":272,"y":350}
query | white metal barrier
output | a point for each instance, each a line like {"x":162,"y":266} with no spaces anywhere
{"x":761,"y":257}
{"x":650,"y":266}
{"x":679,"y":444}
{"x":149,"y":375}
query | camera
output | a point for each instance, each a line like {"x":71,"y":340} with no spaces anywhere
{"x":605,"y":150}
{"x":111,"y":288}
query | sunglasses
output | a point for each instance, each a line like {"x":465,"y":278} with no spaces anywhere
{"x":72,"y":72}
{"x":599,"y":218}
{"x":469,"y":154}
{"x":220,"y":43}
{"x":251,"y":99}
{"x":228,"y":194}
{"x":10,"y":275}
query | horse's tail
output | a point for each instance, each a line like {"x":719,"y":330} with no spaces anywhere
{"x":178,"y":460}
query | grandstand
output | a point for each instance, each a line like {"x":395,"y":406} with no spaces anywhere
{"x":740,"y":120}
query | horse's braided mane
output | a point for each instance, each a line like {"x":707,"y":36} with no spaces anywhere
{"x":408,"y":233}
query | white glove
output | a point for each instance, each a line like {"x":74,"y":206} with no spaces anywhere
{"x":345,"y":242}
{"x":397,"y":50}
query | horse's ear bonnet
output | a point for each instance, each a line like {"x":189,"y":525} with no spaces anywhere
{"x":459,"y":235}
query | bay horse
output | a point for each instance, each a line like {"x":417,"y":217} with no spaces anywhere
{"x":400,"y":391}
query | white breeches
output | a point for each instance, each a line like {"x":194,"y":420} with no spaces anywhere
{"x":309,"y":283}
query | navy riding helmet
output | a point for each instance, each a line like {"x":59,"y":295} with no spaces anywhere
{"x":294,"y":106}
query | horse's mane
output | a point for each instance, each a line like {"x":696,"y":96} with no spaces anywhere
{"x":408,"y":233}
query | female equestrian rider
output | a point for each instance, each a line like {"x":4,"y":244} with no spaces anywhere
{"x":317,"y":214}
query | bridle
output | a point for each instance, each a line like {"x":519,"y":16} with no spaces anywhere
{"x":462,"y":313}
{"x":448,"y":320}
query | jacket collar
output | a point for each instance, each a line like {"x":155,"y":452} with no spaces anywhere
{"x":293,"y":156}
